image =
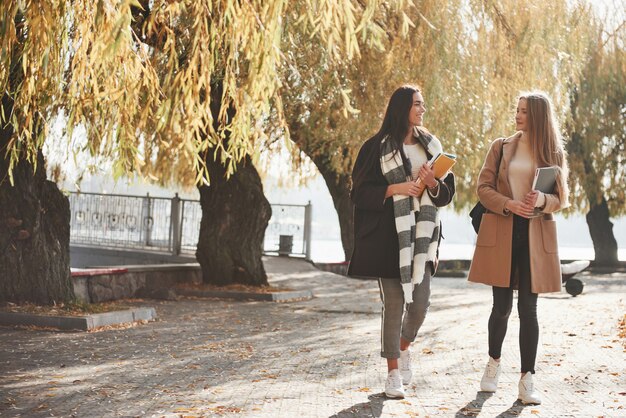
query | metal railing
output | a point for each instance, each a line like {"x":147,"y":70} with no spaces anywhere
{"x":172,"y":224}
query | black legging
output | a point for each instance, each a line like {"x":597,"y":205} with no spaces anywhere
{"x":526,"y":303}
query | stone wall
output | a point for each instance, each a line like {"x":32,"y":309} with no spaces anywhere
{"x":124,"y":282}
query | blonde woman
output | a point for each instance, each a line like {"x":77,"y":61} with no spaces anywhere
{"x":516,"y":248}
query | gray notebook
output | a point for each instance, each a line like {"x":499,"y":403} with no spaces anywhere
{"x":545,"y":179}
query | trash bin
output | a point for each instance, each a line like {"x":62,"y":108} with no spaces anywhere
{"x":285,"y":244}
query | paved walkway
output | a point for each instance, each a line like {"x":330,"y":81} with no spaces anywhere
{"x":318,"y":358}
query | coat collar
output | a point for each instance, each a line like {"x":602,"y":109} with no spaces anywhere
{"x":513,"y":138}
{"x":509,"y":145}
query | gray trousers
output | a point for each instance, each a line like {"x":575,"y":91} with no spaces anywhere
{"x":398,"y":321}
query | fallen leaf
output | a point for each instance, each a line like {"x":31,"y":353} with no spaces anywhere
{"x":182,"y":410}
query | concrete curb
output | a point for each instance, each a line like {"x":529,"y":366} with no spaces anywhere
{"x":451,"y":273}
{"x":447,"y":268}
{"x":80,"y":323}
{"x":289,"y":296}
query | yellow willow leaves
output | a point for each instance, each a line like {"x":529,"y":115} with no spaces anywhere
{"x":471,"y":60}
{"x":29,"y":59}
{"x":140,"y":77}
{"x":596,"y":125}
{"x":110,"y":84}
{"x":159,"y":86}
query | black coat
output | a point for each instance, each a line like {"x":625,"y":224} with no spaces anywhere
{"x":376,"y":252}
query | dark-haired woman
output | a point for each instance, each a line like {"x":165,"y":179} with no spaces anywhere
{"x":396,"y":225}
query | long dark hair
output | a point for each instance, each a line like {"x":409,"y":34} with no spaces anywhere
{"x":396,"y":125}
{"x":396,"y":120}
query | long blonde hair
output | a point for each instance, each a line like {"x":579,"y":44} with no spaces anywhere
{"x":545,"y":140}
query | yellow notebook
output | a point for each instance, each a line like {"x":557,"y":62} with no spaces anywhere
{"x":441,"y":164}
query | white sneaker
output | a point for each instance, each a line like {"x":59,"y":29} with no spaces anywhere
{"x":405,"y":366}
{"x":527,"y":392}
{"x":489,"y":382}
{"x":393,"y":385}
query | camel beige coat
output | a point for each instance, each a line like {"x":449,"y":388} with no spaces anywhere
{"x":491,"y":263}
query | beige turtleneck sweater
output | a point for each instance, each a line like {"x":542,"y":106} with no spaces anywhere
{"x":522,"y":172}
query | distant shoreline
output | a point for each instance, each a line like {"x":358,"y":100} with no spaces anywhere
{"x":331,"y":251}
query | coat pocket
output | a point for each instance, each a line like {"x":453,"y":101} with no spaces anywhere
{"x":548,"y":236}
{"x":488,"y":232}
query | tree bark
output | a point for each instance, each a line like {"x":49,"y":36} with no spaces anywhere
{"x":235,"y":214}
{"x":34,"y":232}
{"x":601,"y":230}
{"x":338,"y":183}
{"x":598,"y":217}
{"x":34,"y":216}
{"x":339,"y":187}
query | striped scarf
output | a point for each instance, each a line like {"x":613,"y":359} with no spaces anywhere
{"x":418,"y":241}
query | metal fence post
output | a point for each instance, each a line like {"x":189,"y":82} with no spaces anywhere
{"x":308,"y":221}
{"x":175,"y":225}
{"x":147,"y":219}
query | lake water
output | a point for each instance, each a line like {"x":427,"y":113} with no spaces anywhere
{"x":573,"y":232}
{"x":330,"y":251}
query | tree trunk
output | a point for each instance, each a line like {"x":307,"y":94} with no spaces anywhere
{"x":338,"y":183}
{"x":601,"y":230}
{"x":598,"y":217}
{"x":34,"y":232}
{"x":235,"y":214}
{"x":339,"y":187}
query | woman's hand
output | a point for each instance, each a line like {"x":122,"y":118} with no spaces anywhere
{"x":408,"y":188}
{"x":519,"y":208}
{"x":427,"y":175}
{"x":531,"y":198}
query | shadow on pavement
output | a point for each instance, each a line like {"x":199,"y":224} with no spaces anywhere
{"x":473,"y":407}
{"x":514,"y":411}
{"x":373,"y":408}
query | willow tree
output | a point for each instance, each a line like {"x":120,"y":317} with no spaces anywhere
{"x":177,"y":91}
{"x":218,"y":67}
{"x":470,"y":59}
{"x":332,"y":107}
{"x":74,"y":59}
{"x":597,"y":132}
{"x":34,"y":214}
